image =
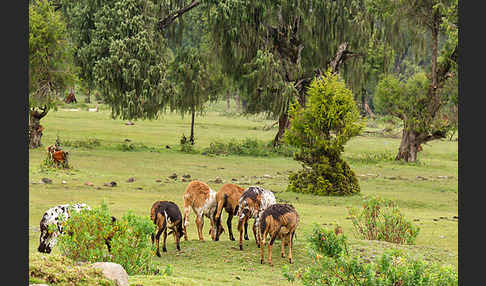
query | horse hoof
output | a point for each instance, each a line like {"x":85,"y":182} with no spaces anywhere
{"x":241,"y":247}
{"x":158,"y":254}
{"x":164,"y":249}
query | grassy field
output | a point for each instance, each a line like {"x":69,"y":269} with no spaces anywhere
{"x":425,"y":192}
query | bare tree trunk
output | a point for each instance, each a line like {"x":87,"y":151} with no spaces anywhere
{"x":434,"y":106}
{"x":283,"y":123}
{"x":228,"y":100}
{"x":408,"y":146}
{"x":88,"y":97}
{"x":35,"y":128}
{"x":412,"y":142}
{"x":191,"y":139}
{"x":238,"y":102}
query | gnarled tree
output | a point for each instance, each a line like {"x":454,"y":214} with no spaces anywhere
{"x":425,"y":122}
{"x":273,"y":49}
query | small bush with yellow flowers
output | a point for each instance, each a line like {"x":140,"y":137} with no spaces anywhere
{"x":380,"y":219}
{"x":85,"y":234}
{"x":333,"y":266}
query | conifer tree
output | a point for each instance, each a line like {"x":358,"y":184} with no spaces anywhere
{"x":50,"y":66}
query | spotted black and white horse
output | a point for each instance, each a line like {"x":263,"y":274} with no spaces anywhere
{"x":252,"y":203}
{"x":55,"y":216}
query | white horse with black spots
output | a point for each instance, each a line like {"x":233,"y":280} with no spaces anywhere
{"x":55,"y":216}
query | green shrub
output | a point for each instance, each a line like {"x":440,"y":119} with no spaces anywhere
{"x":130,"y":243}
{"x":89,"y":143}
{"x":131,"y":247}
{"x":248,"y":147}
{"x":325,"y":178}
{"x":380,"y":219}
{"x":319,"y":131}
{"x":327,"y":242}
{"x":187,"y":145}
{"x":332,"y":266}
{"x":373,"y":157}
{"x":89,"y":228}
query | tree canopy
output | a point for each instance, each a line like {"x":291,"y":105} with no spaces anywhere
{"x":49,"y":55}
{"x":273,"y":49}
{"x":122,"y":52}
{"x":50,"y":65}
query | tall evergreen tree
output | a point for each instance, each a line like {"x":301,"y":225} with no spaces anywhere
{"x":122,"y":50}
{"x":194,"y":85}
{"x":50,"y":66}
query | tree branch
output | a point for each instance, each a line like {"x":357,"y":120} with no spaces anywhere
{"x":169,"y":19}
{"x":342,"y":55}
{"x":429,"y":137}
{"x":39,"y":115}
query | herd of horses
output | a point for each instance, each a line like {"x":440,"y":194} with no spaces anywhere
{"x":270,"y":218}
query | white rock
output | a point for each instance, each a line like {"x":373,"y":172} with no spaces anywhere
{"x":114,"y":272}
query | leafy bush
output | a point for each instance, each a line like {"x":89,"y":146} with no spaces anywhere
{"x":373,"y":157}
{"x":85,"y":233}
{"x":89,"y":143}
{"x":248,"y":147}
{"x":187,"y":145}
{"x":325,"y":178}
{"x":320,"y":131}
{"x":131,"y":247}
{"x":380,"y":219}
{"x":89,"y":228}
{"x":332,"y":266}
{"x":327,"y":242}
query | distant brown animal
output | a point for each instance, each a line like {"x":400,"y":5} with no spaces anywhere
{"x":227,"y":197}
{"x":59,"y":156}
{"x":278,"y":220}
{"x":70,"y":98}
{"x":199,"y":197}
{"x":166,"y":215}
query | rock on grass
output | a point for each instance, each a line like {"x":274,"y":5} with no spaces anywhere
{"x":113,"y":271}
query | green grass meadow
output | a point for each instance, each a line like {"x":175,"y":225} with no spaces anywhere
{"x":426,"y":192}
